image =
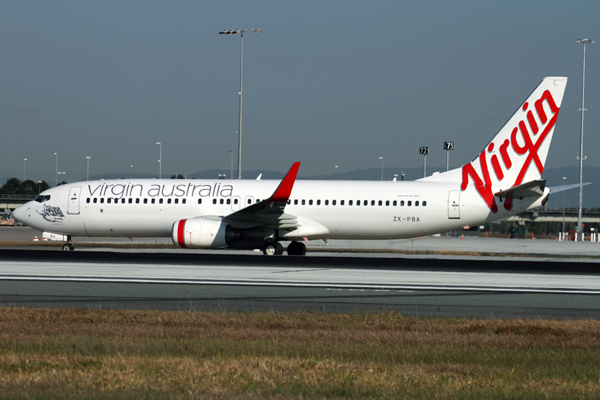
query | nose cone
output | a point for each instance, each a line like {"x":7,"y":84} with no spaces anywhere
{"x":21,"y":213}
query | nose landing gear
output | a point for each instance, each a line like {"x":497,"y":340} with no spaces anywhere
{"x":68,"y":247}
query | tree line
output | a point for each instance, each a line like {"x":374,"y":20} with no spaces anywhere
{"x":28,"y":187}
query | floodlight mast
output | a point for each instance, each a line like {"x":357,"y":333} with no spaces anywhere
{"x":241,"y":32}
{"x":581,"y":157}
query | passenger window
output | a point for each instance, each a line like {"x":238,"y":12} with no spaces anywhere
{"x":122,"y":201}
{"x":145,"y":201}
{"x":109,"y":200}
{"x":365,"y":203}
{"x":387,"y":202}
{"x":130,"y":201}
{"x":168,"y":201}
{"x":176,"y":201}
{"x":295,"y":202}
{"x":183,"y":201}
{"x":153,"y":201}
{"x":333,"y":202}
{"x":160,"y":201}
{"x":380,"y":203}
{"x":235,"y":201}
{"x":358,"y":202}
{"x":349,"y":202}
{"x":214,"y":201}
{"x":87,"y":200}
{"x":95,"y":200}
{"x":424,"y":203}
{"x":372,"y":202}
{"x":417,"y":203}
{"x":310,"y":202}
{"x":395,"y":203}
{"x":402,"y":203}
{"x":228,"y":201}
{"x":409,"y":203}
{"x":326,"y":202}
{"x":221,"y":201}
{"x":341,"y":202}
{"x":137,"y":201}
{"x":199,"y":201}
{"x":102,"y":200}
{"x":318,"y":202}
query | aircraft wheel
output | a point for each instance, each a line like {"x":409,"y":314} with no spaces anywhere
{"x":272,"y":248}
{"x":68,"y":247}
{"x":296,"y":249}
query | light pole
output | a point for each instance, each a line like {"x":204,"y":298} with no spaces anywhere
{"x":159,"y":160}
{"x":130,"y":170}
{"x":448,"y":146}
{"x":87,"y":158}
{"x":231,"y":156}
{"x":241,"y":32}
{"x":39,"y":186}
{"x":56,"y":171}
{"x":424,"y":151}
{"x":338,"y":172}
{"x":581,"y":158}
{"x":381,"y":158}
{"x":563,"y":224}
{"x":402,"y":175}
{"x":60,"y":173}
{"x":24,"y":162}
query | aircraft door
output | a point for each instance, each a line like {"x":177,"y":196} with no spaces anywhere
{"x":235,"y":203}
{"x":73,"y":205}
{"x":454,"y":204}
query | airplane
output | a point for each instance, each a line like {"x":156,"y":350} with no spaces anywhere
{"x":503,"y":180}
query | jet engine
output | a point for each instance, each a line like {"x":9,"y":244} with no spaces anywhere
{"x":202,"y":233}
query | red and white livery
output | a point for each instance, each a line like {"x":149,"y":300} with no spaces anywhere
{"x":503,"y":180}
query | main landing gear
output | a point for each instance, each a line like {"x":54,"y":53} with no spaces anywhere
{"x":275,"y":248}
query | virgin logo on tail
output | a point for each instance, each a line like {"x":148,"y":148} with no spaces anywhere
{"x":524,"y":146}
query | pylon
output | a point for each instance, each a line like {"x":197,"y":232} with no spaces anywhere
{"x":35,"y":239}
{"x":462,"y":237}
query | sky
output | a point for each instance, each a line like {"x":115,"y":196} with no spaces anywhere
{"x":327,"y":83}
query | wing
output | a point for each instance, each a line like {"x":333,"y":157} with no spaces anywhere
{"x":269,"y":213}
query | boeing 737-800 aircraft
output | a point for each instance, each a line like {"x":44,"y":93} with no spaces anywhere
{"x":503,"y":180}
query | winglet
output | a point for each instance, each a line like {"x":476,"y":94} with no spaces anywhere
{"x":284,"y":190}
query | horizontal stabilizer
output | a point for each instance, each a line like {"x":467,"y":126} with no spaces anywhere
{"x":529,"y":189}
{"x":556,"y":189}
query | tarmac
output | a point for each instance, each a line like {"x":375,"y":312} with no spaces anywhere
{"x":442,"y":245}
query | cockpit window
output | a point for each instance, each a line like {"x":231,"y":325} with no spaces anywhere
{"x":40,"y":199}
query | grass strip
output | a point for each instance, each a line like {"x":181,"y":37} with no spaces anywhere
{"x":57,"y":353}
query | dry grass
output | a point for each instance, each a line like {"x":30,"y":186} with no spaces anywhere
{"x":53,"y":353}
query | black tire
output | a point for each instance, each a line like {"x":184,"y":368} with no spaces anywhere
{"x":296,"y":249}
{"x":68,"y":247}
{"x":272,"y":249}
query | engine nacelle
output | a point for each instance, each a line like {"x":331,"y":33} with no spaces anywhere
{"x":201,"y":233}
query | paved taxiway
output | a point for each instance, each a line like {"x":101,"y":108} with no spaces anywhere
{"x":246,"y":281}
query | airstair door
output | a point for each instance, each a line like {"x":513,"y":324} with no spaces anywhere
{"x":454,"y":204}
{"x":73,"y":206}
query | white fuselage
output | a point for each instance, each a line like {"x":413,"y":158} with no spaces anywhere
{"x":324,"y":209}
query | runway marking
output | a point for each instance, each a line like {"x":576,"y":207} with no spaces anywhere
{"x":357,"y":287}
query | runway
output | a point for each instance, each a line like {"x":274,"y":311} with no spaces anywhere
{"x":427,"y":286}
